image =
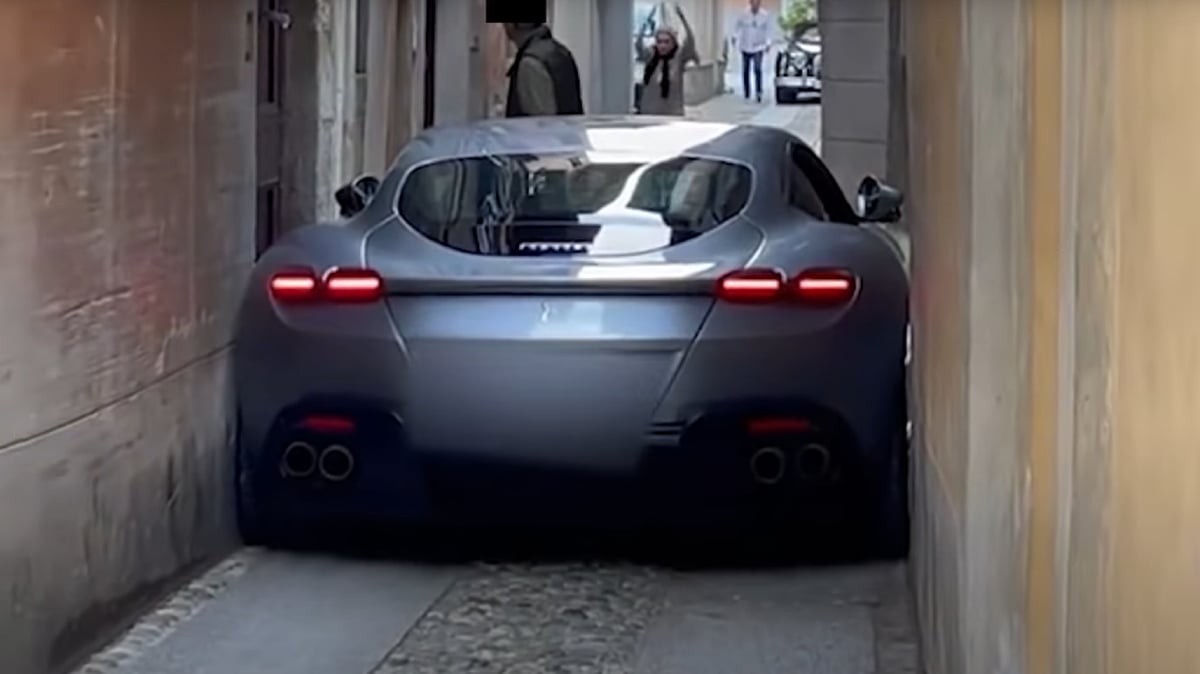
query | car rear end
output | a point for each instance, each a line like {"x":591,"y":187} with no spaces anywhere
{"x":577,"y":336}
{"x":798,"y":72}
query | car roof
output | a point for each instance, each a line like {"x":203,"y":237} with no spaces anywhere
{"x":635,"y":137}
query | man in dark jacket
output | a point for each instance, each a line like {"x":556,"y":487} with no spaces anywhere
{"x":543,"y":79}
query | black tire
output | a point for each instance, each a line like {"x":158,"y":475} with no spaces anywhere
{"x":781,"y":97}
{"x":891,"y":525}
{"x":255,"y":526}
{"x":249,"y":518}
{"x":891,"y":534}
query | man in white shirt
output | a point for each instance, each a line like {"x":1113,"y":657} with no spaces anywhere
{"x":752,"y":36}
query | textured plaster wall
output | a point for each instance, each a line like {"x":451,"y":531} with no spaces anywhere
{"x":980,"y":323}
{"x":857,"y":83}
{"x":1153,"y":513}
{"x":938,"y":220}
{"x":126,"y":151}
{"x":1058,"y":363}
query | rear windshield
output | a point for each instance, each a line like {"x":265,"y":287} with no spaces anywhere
{"x":571,"y":204}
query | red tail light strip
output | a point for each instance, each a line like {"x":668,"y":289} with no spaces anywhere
{"x":328,"y":424}
{"x":752,"y":285}
{"x":825,"y":286}
{"x":294,"y":286}
{"x":814,"y":286}
{"x":338,"y":285}
{"x":353,"y":285}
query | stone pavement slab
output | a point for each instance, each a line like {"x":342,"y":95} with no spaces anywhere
{"x":802,"y":119}
{"x":283,"y":614}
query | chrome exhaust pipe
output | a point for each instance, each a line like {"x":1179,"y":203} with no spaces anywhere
{"x":336,"y":463}
{"x":814,"y":461}
{"x":768,"y":465}
{"x":299,"y":460}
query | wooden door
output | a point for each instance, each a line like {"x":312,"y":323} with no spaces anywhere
{"x":273,"y":22}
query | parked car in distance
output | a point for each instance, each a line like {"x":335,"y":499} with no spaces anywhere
{"x":798,"y":66}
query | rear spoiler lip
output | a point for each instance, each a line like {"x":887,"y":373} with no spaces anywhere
{"x":551,"y":286}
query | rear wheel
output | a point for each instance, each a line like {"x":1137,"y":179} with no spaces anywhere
{"x":890,"y":522}
{"x":255,"y":527}
{"x":249,"y":517}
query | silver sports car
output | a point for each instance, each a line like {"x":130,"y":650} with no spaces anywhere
{"x":581,"y":320}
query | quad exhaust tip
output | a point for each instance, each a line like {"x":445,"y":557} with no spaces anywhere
{"x":336,"y":463}
{"x":768,"y":465}
{"x":299,"y":460}
{"x":814,"y":461}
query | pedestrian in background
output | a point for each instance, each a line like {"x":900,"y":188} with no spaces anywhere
{"x":543,"y":79}
{"x":752,"y":37}
{"x":662,"y":74}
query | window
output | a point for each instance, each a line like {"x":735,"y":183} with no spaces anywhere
{"x":816,"y":181}
{"x":573,"y":203}
{"x":362,"y":32}
{"x":800,"y":191}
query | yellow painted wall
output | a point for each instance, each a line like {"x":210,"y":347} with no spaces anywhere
{"x":939,"y":261}
{"x":1053,"y":154}
{"x":1154,"y":580}
{"x":1044,"y":185}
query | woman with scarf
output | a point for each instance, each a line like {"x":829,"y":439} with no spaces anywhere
{"x":662,"y":76}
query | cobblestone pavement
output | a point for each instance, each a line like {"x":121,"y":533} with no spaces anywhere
{"x":275,"y":613}
{"x":578,"y":618}
{"x":586,"y":619}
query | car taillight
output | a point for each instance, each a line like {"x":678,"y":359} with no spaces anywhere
{"x":813,"y":286}
{"x":338,"y":285}
{"x":353,"y":285}
{"x":294,"y":286}
{"x":752,"y":285}
{"x":824,"y":286}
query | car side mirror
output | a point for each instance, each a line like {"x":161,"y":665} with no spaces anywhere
{"x":878,"y":201}
{"x":353,"y":197}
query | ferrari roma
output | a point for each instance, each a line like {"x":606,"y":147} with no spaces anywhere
{"x":581,"y":320}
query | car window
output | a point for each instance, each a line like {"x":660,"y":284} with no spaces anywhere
{"x":826,"y":188}
{"x":508,"y":204}
{"x":801,"y":193}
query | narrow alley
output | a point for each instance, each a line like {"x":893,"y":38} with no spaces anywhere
{"x":262,"y":612}
{"x":273,"y":613}
{"x":1032,"y":161}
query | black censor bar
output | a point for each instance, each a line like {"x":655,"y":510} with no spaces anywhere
{"x":516,"y":11}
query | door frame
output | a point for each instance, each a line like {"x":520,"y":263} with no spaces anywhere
{"x":270,"y":103}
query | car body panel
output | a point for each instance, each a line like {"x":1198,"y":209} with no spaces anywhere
{"x":546,"y":373}
{"x":798,"y":69}
{"x":593,"y":365}
{"x":798,"y":83}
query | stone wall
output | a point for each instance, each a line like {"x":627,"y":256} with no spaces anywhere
{"x":126,"y":159}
